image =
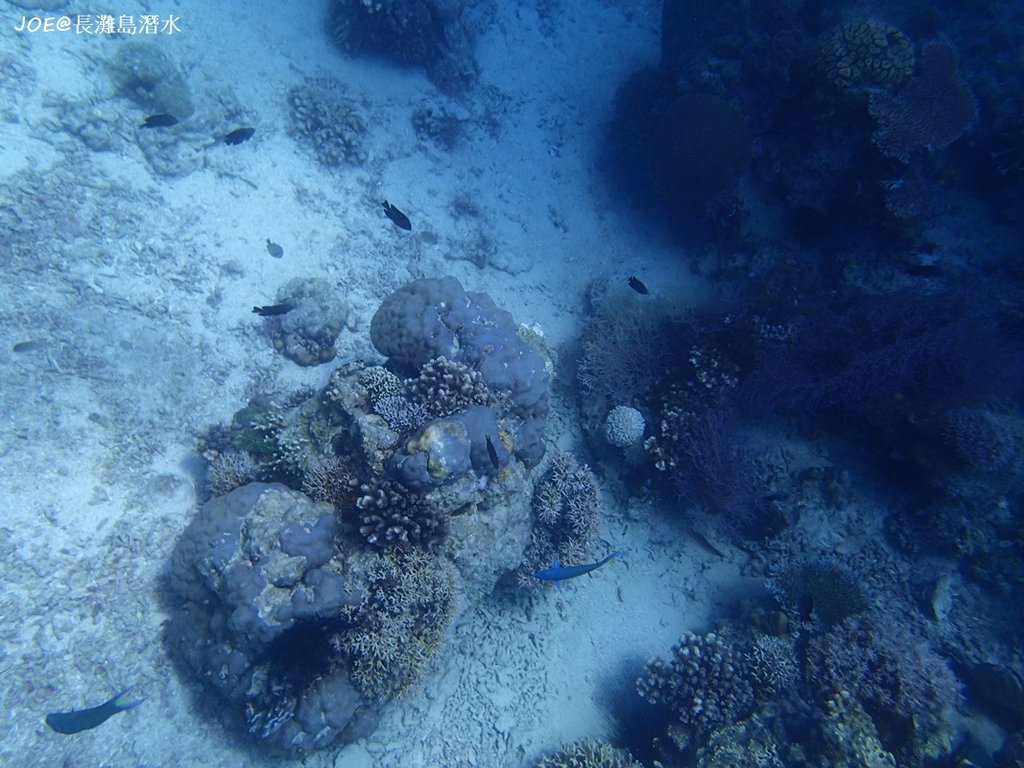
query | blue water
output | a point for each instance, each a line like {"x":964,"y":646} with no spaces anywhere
{"x":732,"y":291}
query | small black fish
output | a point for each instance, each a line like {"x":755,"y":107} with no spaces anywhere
{"x":238,"y":135}
{"x":400,"y":219}
{"x":80,"y":720}
{"x":29,"y":346}
{"x":274,"y":249}
{"x":162,"y":120}
{"x":493,"y":453}
{"x":273,"y":309}
{"x":638,"y":286}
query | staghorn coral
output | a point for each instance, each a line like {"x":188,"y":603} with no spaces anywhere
{"x":590,"y":753}
{"x":706,"y":684}
{"x":773,"y":662}
{"x":401,"y":413}
{"x":400,"y":625}
{"x":391,"y":515}
{"x":865,"y":52}
{"x":930,"y":113}
{"x":231,"y":469}
{"x":331,"y":479}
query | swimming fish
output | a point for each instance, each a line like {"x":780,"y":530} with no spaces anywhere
{"x":273,"y":309}
{"x":558,"y":572}
{"x":238,"y":135}
{"x":29,"y":346}
{"x":400,"y":219}
{"x":493,"y":453}
{"x":83,"y":719}
{"x":638,"y":286}
{"x":162,"y":120}
{"x":274,"y":249}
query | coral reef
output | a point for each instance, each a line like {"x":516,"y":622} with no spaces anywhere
{"x":864,"y":52}
{"x":391,"y":515}
{"x":445,"y":387}
{"x":263,"y":585}
{"x":589,"y":753}
{"x":624,"y":426}
{"x":323,"y":119}
{"x":409,"y":602}
{"x":567,"y":515}
{"x":705,"y":684}
{"x":821,"y":592}
{"x":934,"y":110}
{"x":431,"y":318}
{"x":427,"y":32}
{"x":306,"y":334}
{"x":333,"y":480}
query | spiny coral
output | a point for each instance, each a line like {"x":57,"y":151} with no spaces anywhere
{"x":391,"y":515}
{"x":410,"y":601}
{"x":590,"y":753}
{"x":231,"y":469}
{"x":866,"y":52}
{"x":706,"y":684}
{"x":624,"y":426}
{"x":818,"y":591}
{"x":331,"y":479}
{"x":931,"y":112}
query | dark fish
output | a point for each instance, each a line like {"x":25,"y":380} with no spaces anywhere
{"x":273,"y":309}
{"x":400,"y":219}
{"x":274,"y":249}
{"x":493,"y":453}
{"x":84,"y":719}
{"x":238,"y":135}
{"x":922,"y":270}
{"x":638,"y":286}
{"x":29,"y":346}
{"x":163,"y":120}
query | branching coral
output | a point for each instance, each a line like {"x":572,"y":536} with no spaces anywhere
{"x":819,"y":592}
{"x":589,"y":753}
{"x":410,"y":601}
{"x":445,"y":387}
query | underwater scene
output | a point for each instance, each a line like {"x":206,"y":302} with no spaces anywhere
{"x":512,"y":384}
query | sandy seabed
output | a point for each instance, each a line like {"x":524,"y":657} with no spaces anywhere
{"x":138,"y":289}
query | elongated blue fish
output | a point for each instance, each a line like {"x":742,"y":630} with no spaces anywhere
{"x":83,"y":719}
{"x":558,"y":572}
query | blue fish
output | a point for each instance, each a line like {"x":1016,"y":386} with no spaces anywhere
{"x":558,"y":572}
{"x":84,"y":719}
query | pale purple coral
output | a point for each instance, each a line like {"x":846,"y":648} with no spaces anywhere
{"x":932,"y":112}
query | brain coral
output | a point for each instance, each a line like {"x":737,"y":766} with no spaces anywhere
{"x":623,"y":426}
{"x":866,"y":52}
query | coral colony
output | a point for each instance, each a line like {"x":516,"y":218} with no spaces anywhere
{"x":848,"y":341}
